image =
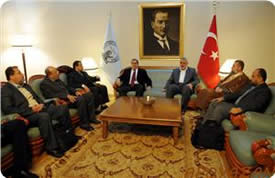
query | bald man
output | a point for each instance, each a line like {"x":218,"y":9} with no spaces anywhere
{"x":53,"y":87}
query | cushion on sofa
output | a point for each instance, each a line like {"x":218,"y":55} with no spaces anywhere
{"x":227,"y":125}
{"x":159,"y":77}
{"x":154,"y":92}
{"x":73,"y":112}
{"x":260,"y":122}
{"x":271,"y":107}
{"x":33,"y":132}
{"x":241,"y":142}
{"x":35,"y":84}
{"x":272,"y":138}
{"x":63,"y":78}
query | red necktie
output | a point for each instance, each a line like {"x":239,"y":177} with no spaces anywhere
{"x":133,"y":78}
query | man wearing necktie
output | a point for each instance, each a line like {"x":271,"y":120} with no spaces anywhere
{"x":133,"y":79}
{"x":254,"y":97}
{"x":158,"y":43}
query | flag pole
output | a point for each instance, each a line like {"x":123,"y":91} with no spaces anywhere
{"x":214,"y":7}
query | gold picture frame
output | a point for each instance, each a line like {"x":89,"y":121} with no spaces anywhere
{"x":161,"y":30}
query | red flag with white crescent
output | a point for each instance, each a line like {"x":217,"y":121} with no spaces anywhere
{"x":208,"y":67}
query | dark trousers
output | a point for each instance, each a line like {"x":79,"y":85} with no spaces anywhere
{"x":15,"y":132}
{"x":86,"y":107}
{"x":218,"y":111}
{"x":101,"y":94}
{"x":185,"y":92}
{"x":124,"y":89}
{"x":60,"y":114}
{"x":44,"y":121}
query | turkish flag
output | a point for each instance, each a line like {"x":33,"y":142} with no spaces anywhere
{"x":208,"y":67}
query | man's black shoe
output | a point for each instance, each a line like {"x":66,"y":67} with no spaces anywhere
{"x":94,"y":121}
{"x":104,"y":107}
{"x":86,"y":127}
{"x":98,"y":112}
{"x":56,"y":153}
{"x":24,"y":174}
{"x":28,"y":174}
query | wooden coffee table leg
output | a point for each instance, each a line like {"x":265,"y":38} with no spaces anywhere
{"x":175,"y":134}
{"x":105,"y":129}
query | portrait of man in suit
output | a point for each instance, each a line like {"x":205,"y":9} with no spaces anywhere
{"x":161,"y":32}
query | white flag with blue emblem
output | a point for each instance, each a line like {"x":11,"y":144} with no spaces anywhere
{"x":110,"y":62}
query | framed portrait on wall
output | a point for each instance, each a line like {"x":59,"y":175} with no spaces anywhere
{"x":161,"y":30}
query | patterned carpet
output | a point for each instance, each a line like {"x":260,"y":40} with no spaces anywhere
{"x":136,"y":151}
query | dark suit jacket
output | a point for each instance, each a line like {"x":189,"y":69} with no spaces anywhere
{"x":55,"y":89}
{"x":13,"y":101}
{"x":75,"y":79}
{"x":152,"y":47}
{"x":190,"y":77}
{"x":142,"y":77}
{"x":256,"y":100}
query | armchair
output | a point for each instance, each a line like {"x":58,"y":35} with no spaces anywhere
{"x":35,"y":140}
{"x":35,"y":82}
{"x":254,"y":128}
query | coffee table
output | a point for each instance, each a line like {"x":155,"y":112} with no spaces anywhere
{"x":129,"y":109}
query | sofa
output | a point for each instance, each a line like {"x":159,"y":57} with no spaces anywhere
{"x":35,"y":81}
{"x":159,"y":76}
{"x":247,"y":129}
{"x":35,"y":140}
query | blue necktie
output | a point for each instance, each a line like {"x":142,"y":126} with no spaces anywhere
{"x":244,"y":94}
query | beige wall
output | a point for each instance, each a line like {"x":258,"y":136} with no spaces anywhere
{"x":63,"y":31}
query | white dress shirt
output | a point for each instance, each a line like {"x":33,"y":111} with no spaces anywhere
{"x":132,"y":71}
{"x":161,"y":41}
{"x":182,"y":75}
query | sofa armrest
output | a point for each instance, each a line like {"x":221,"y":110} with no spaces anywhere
{"x":260,"y":122}
{"x":198,"y":88}
{"x":8,"y":117}
{"x":238,"y":121}
{"x":49,"y":100}
{"x":263,"y":152}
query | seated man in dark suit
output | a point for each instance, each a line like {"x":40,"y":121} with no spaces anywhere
{"x":133,"y":79}
{"x":18,"y":97}
{"x":235,"y":81}
{"x":158,"y":43}
{"x":15,"y":132}
{"x":53,"y":87}
{"x":80,"y":79}
{"x":254,"y":97}
{"x":183,"y":80}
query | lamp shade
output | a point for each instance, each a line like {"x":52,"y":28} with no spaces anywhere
{"x":226,"y":67}
{"x":21,"y":41}
{"x":89,"y":63}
